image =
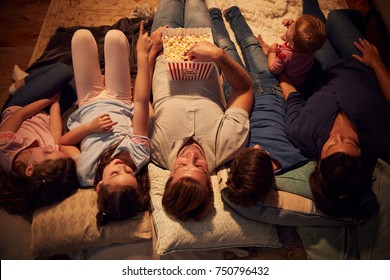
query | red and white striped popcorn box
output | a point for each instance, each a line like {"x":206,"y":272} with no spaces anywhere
{"x":179,"y":69}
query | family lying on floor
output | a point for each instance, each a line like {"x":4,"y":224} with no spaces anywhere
{"x":322,"y":95}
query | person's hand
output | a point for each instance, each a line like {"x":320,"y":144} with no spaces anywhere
{"x":263,"y":44}
{"x":370,"y":55}
{"x":274,"y":48}
{"x":55,"y":98}
{"x":144,"y":43}
{"x":287,"y":22}
{"x":102,"y":124}
{"x":157,"y":39}
{"x":51,"y":100}
{"x":204,"y":51}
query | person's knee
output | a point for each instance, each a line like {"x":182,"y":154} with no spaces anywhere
{"x":115,"y":36}
{"x":81,"y":36}
{"x":65,"y":70}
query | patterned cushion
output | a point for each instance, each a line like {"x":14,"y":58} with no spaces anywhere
{"x":71,"y":225}
{"x":222,"y":228}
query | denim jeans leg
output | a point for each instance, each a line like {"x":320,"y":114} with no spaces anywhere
{"x":312,"y":7}
{"x":196,"y":14}
{"x":254,"y":57}
{"x":222,"y":38}
{"x":343,"y":30}
{"x":169,"y":12}
{"x":41,"y":84}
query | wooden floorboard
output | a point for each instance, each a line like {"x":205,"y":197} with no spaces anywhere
{"x":20,"y":24}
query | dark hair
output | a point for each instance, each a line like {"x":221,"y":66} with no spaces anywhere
{"x":338,"y":184}
{"x":187,"y":198}
{"x":251,"y":177}
{"x":125,"y":202}
{"x":51,"y":181}
{"x":310,"y":34}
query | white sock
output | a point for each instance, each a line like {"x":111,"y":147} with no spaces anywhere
{"x":211,"y":4}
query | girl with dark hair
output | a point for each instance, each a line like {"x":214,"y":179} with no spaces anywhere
{"x":126,"y":201}
{"x":110,"y":124}
{"x":35,"y":171}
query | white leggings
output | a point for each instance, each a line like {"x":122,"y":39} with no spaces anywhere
{"x":90,"y":84}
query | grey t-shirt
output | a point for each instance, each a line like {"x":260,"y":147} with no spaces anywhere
{"x":194,"y":109}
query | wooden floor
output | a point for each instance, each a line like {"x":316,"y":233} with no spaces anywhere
{"x":20,"y":25}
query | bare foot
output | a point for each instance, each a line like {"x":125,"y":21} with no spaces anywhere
{"x":15,"y":86}
{"x":263,"y":44}
{"x":18,"y":73}
{"x":12,"y":89}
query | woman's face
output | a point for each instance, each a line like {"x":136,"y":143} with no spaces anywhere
{"x":117,"y":173}
{"x":340,"y":142}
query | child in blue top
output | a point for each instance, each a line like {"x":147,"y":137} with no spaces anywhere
{"x":110,"y":124}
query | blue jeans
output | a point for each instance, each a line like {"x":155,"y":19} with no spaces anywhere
{"x":255,"y":61}
{"x":181,"y":13}
{"x":44,"y":83}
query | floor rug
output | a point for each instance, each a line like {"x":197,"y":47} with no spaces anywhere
{"x":263,"y":16}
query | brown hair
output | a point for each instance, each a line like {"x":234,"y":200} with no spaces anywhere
{"x":310,"y":34}
{"x":125,"y":202}
{"x":251,"y":177}
{"x":187,"y":198}
{"x":338,"y":184}
{"x":51,"y":181}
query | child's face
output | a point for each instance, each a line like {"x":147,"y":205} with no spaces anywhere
{"x":118,"y":174}
{"x":289,"y":34}
{"x":37,"y":155}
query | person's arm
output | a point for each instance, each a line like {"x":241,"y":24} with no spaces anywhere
{"x":70,"y":151}
{"x":242,"y":95}
{"x":371,"y":58}
{"x":272,"y":55}
{"x":56,"y":129}
{"x":15,"y":121}
{"x":55,"y":120}
{"x":100,"y":124}
{"x":156,"y":49}
{"x":294,"y":113}
{"x":142,"y":86}
{"x":286,"y":85}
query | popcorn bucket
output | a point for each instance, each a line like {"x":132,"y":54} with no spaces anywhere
{"x":177,"y":41}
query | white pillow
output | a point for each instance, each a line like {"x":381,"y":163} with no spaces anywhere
{"x":222,"y":228}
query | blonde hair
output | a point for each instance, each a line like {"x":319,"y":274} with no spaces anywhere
{"x":310,"y":34}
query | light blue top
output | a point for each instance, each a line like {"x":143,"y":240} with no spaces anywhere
{"x":95,"y":144}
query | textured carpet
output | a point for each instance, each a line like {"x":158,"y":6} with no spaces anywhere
{"x":263,"y":16}
{"x":66,"y":13}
